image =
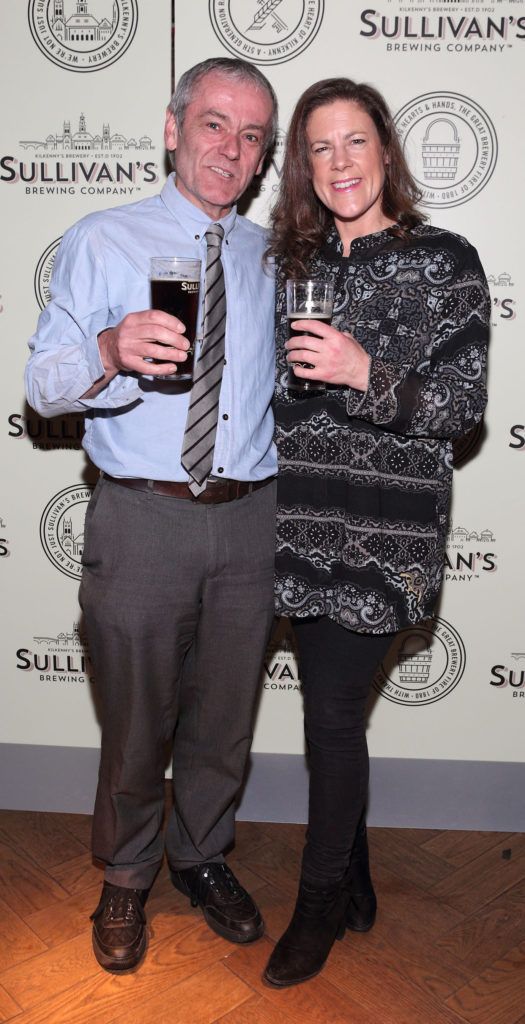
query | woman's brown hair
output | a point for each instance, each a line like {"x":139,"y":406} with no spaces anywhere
{"x":300,"y":222}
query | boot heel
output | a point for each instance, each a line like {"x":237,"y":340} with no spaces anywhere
{"x":341,"y":930}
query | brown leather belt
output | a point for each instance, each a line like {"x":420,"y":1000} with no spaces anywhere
{"x":216,"y":490}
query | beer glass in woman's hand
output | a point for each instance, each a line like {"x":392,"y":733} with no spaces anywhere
{"x":307,"y":300}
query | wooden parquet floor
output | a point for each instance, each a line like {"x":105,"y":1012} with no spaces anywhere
{"x":448,"y":946}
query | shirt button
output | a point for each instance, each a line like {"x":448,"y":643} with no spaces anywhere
{"x":220,"y":469}
{"x":197,"y":238}
{"x":225,"y":361}
{"x":225,"y":416}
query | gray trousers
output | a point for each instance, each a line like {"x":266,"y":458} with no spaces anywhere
{"x":178,"y":605}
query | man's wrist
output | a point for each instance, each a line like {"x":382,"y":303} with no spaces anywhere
{"x":105,"y":350}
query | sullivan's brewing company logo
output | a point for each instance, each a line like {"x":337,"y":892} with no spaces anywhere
{"x":424,"y":664}
{"x":509,"y":676}
{"x":266,"y":31}
{"x":438,"y":28}
{"x":83,"y":35}
{"x":451,"y":146}
{"x":503,"y":305}
{"x":57,"y":659}
{"x":62,"y":529}
{"x":72,"y":161}
{"x":470,"y":554}
{"x":57,"y":433}
{"x":280,"y":663}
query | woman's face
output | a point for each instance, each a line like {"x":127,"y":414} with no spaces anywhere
{"x":347,"y":166}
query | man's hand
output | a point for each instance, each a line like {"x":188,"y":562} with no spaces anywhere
{"x":151,"y":334}
{"x":336,"y":357}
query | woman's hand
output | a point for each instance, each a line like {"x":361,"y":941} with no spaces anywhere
{"x":336,"y":357}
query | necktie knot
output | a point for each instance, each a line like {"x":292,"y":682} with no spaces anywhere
{"x":214,"y":236}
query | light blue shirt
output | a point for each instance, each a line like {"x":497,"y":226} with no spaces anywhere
{"x":134,"y":427}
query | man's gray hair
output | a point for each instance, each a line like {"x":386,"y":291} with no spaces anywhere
{"x":231,"y":68}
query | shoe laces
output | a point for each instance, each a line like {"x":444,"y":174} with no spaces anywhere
{"x":222,"y":880}
{"x":121,"y":906}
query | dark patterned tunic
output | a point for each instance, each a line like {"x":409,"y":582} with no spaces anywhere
{"x":365,"y":477}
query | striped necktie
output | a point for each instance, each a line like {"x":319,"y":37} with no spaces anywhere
{"x":201,"y":424}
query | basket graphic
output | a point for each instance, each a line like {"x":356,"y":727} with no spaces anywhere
{"x":415,"y":659}
{"x":440,"y":158}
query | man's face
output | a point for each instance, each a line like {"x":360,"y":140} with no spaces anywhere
{"x":221,"y":144}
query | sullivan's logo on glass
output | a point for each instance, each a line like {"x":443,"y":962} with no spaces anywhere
{"x":451,"y":146}
{"x":77,"y":160}
{"x":266,"y":31}
{"x":424,"y":664}
{"x":62,"y":529}
{"x":83,"y":35}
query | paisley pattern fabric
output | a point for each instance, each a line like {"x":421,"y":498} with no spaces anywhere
{"x":365,"y":477}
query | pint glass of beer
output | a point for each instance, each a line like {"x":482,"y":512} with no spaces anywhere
{"x":175,"y":284}
{"x":307,"y":300}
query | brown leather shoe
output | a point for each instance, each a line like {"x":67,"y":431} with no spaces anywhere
{"x":119,"y":927}
{"x":228,"y":909}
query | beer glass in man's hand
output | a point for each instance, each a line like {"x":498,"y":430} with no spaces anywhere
{"x":175,"y":284}
{"x":307,"y":300}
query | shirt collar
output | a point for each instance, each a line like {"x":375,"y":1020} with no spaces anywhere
{"x":360,"y":244}
{"x":190,"y":216}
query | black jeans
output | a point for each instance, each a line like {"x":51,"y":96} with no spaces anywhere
{"x":336,"y":668}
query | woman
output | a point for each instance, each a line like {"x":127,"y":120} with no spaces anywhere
{"x":365,"y":466}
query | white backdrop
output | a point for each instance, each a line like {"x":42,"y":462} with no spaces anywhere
{"x":82,"y":130}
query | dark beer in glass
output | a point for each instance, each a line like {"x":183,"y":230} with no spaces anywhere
{"x":175,"y":286}
{"x":307,"y":300}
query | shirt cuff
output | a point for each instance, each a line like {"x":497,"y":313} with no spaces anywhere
{"x":378,"y":402}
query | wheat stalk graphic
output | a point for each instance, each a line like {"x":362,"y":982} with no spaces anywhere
{"x":268,"y":6}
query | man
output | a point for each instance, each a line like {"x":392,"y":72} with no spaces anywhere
{"x":178,"y":558}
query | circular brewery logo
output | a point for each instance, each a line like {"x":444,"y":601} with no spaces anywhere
{"x":451,"y":146}
{"x":83,"y":35}
{"x":424,"y":664}
{"x":43,"y":273}
{"x":266,"y":31}
{"x":62,"y":529}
